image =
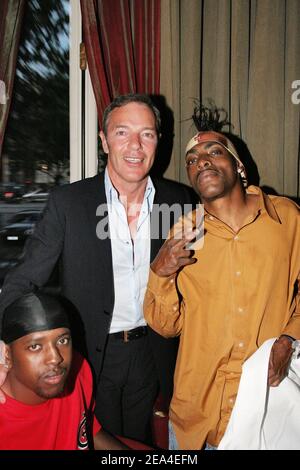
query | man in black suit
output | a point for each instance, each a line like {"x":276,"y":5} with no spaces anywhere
{"x":106,"y":231}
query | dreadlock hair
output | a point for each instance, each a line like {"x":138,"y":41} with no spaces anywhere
{"x":209,"y":118}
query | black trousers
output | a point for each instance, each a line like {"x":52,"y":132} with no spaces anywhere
{"x":127,"y":389}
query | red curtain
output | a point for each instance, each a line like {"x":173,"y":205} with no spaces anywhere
{"x":122,"y":40}
{"x":11,"y":15}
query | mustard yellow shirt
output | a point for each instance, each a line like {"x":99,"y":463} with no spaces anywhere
{"x":239,"y":293}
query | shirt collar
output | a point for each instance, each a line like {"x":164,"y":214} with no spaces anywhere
{"x":112,"y":193}
{"x":149,"y":192}
{"x":265,"y":203}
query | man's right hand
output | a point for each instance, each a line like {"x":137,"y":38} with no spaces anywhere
{"x":173,"y":255}
{"x":3,"y":370}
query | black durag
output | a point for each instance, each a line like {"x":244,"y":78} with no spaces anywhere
{"x":31,"y":313}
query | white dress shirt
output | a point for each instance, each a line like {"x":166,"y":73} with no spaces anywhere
{"x":131,"y":259}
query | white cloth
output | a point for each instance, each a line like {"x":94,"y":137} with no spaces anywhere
{"x":265,"y":418}
{"x":131,"y":260}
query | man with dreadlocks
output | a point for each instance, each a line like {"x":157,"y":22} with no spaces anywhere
{"x":227,"y":296}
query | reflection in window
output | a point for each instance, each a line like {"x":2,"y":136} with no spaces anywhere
{"x":36,"y":146}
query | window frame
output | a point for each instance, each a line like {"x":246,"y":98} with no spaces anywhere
{"x":90,"y":151}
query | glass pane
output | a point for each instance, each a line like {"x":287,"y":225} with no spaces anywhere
{"x":36,"y":147}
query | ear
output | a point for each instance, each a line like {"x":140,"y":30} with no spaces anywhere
{"x":6,"y":355}
{"x":104,"y":141}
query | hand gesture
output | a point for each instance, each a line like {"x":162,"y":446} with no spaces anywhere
{"x":173,"y":255}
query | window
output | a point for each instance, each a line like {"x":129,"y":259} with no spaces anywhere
{"x":43,"y":140}
{"x":36,"y":150}
{"x":36,"y":146}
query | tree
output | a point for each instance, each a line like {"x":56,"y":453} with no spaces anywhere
{"x":37,"y":135}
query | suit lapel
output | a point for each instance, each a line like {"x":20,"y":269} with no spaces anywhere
{"x":96,"y":208}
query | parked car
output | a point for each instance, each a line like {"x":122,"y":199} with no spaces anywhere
{"x":39,"y":195}
{"x":20,"y":226}
{"x":12,"y":193}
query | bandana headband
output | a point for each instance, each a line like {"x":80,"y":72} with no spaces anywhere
{"x":216,"y":137}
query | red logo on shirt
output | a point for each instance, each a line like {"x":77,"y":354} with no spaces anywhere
{"x":82,"y":440}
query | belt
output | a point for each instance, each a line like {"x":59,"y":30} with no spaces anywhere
{"x":129,"y":335}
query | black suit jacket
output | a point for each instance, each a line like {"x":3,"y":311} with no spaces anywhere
{"x":68,"y":231}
